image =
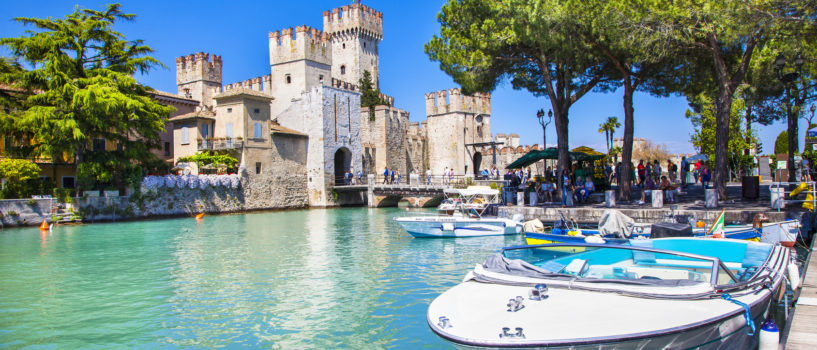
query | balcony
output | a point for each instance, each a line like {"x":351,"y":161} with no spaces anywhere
{"x":216,"y":145}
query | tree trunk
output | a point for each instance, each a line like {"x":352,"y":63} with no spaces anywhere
{"x":562,"y":143}
{"x":723,"y":111}
{"x":627,"y":145}
{"x":607,"y":140}
{"x":792,"y":130}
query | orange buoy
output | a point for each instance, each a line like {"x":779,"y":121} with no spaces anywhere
{"x":199,"y":216}
{"x":717,"y":235}
{"x":700,"y":224}
{"x":44,"y":226}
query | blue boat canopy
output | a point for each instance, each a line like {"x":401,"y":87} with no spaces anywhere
{"x":812,"y":132}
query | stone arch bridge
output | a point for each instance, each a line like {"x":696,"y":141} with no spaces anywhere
{"x":389,"y":195}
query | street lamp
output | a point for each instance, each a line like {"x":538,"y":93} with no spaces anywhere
{"x":788,"y":80}
{"x":540,"y":114}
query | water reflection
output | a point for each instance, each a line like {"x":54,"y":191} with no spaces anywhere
{"x":292,"y":279}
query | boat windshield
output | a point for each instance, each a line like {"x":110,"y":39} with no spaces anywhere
{"x":614,"y":263}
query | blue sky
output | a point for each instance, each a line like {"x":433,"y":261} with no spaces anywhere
{"x":237,"y":30}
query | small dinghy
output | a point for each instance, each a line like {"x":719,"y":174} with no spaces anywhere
{"x":668,"y":293}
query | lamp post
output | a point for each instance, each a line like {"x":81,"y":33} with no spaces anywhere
{"x":788,"y":80}
{"x":540,"y":114}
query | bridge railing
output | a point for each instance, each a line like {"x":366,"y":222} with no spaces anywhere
{"x":424,"y":180}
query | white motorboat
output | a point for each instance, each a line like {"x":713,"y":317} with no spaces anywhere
{"x":668,"y":293}
{"x":463,"y":223}
{"x":473,"y":197}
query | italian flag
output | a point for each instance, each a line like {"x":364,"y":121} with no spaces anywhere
{"x":717,"y":227}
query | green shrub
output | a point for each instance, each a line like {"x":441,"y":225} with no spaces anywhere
{"x":31,"y":203}
{"x":13,"y":213}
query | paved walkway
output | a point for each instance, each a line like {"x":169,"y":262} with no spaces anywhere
{"x":802,"y":331}
{"x":692,"y":198}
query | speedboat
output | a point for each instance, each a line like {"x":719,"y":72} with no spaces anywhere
{"x":463,"y":223}
{"x":616,"y":228}
{"x":668,"y":293}
{"x":473,"y":197}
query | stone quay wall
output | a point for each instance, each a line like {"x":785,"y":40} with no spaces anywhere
{"x":278,"y":189}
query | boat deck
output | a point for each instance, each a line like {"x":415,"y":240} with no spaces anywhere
{"x":802,"y":333}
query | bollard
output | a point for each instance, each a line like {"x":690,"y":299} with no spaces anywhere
{"x":520,"y":199}
{"x":610,"y":198}
{"x":778,"y":197}
{"x":657,"y":199}
{"x":711,"y":198}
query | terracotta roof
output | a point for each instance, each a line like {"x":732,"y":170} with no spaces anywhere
{"x":173,"y":96}
{"x":242,"y":91}
{"x":194,"y":115}
{"x":277,"y":129}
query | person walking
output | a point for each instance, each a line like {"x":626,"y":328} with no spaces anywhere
{"x":386,"y":176}
{"x":391,"y":177}
{"x":445,"y":176}
{"x":706,"y":175}
{"x":642,"y":172}
{"x":399,"y":177}
{"x":656,"y":170}
{"x":684,"y":171}
{"x":566,"y":187}
{"x":428,"y":176}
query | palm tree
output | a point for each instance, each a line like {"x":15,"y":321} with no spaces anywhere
{"x":613,"y":124}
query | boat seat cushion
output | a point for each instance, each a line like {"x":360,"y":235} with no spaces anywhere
{"x":640,"y":257}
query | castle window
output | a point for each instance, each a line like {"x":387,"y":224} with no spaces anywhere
{"x":205,"y":130}
{"x":364,"y":44}
{"x":288,"y":79}
{"x":187,"y":93}
{"x":229,"y":110}
{"x":342,"y":69}
{"x":229,"y":130}
{"x":256,"y":111}
{"x":257,"y":130}
{"x":185,"y":136}
{"x":343,"y":45}
{"x":320,"y":78}
{"x":167,"y":149}
{"x":258,"y":167}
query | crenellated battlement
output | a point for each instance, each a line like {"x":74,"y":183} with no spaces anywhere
{"x":254,"y":84}
{"x":452,"y":101}
{"x":307,"y":43}
{"x":197,"y":67}
{"x":355,"y":17}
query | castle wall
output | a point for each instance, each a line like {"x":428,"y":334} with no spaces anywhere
{"x":384,"y":139}
{"x":332,"y":121}
{"x":455,"y":120}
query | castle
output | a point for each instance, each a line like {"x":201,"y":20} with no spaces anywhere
{"x":305,"y":115}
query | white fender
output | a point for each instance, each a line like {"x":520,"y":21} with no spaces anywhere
{"x":794,"y":275}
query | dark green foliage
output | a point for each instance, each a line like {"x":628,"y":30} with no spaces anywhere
{"x":80,"y":88}
{"x":781,"y":143}
{"x":369,"y":96}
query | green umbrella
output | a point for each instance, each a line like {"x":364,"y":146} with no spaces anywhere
{"x":533,"y":157}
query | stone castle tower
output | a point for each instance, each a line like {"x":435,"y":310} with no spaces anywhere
{"x":198,"y":75}
{"x":454,"y":121}
{"x":356,"y":31}
{"x":297,"y":64}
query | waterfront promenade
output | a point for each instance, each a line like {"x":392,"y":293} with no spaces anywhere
{"x":802,"y":333}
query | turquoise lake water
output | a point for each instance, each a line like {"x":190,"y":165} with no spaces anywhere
{"x":335,"y":278}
